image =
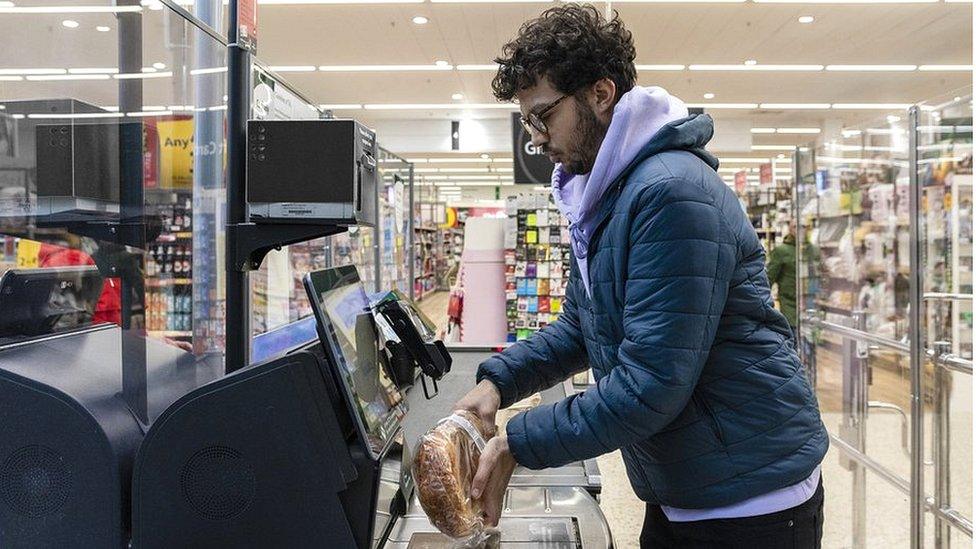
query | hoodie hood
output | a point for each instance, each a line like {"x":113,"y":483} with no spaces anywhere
{"x":645,"y":121}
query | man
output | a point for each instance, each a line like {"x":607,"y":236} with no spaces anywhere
{"x":782,"y":272}
{"x":668,"y":303}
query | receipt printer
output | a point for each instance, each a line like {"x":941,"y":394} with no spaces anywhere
{"x":311,"y":171}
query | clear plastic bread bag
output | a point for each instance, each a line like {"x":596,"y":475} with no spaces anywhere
{"x":444,"y":464}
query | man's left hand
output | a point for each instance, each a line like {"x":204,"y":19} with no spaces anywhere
{"x":495,"y":469}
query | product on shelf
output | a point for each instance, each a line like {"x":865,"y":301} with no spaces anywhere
{"x":537,"y":263}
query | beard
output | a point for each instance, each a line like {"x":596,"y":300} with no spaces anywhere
{"x":589,"y":136}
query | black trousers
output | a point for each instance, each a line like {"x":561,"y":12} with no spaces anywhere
{"x":800,"y":527}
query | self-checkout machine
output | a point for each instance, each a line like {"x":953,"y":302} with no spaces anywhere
{"x":305,"y":448}
{"x":76,"y":397}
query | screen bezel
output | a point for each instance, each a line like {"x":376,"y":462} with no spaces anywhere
{"x":326,"y":335}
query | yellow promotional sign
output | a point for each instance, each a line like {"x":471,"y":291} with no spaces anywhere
{"x":28,"y":252}
{"x":450,"y":218}
{"x":175,"y":153}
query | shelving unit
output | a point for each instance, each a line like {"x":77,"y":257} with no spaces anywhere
{"x":770,"y":209}
{"x":169,"y":265}
{"x":854,"y":218}
{"x":449,"y":257}
{"x":425,"y":243}
{"x":537,"y":264}
{"x":947,"y":231}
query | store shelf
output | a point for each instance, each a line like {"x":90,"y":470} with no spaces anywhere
{"x":161,"y":282}
{"x":168,"y":333}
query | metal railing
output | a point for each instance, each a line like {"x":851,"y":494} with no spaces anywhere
{"x":945,"y":364}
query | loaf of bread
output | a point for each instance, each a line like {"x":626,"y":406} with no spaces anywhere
{"x":445,"y":462}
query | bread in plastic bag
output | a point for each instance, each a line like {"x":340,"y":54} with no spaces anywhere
{"x":445,"y":462}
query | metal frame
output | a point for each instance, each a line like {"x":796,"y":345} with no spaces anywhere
{"x":938,"y":505}
{"x":857,"y":346}
{"x":915,"y":339}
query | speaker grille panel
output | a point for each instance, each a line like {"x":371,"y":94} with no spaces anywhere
{"x":35,"y":481}
{"x":218,"y":483}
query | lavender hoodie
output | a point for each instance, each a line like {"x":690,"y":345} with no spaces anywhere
{"x":638,"y":115}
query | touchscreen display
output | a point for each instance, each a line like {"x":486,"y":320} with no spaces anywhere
{"x":343,"y":310}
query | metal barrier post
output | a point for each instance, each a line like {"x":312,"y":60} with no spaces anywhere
{"x":940,"y":443}
{"x":916,"y":341}
{"x":852,"y":430}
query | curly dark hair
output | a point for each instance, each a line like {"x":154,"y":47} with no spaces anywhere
{"x":574,"y":46}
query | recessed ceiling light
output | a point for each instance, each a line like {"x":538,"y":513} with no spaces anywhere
{"x":486,"y":156}
{"x":892,"y":119}
{"x":781,"y":156}
{"x":868,"y":68}
{"x":102,"y":28}
{"x":70,"y":24}
{"x":441,"y":63}
{"x":709,"y":96}
{"x":806,"y":19}
{"x":751,"y":62}
{"x":420,"y":20}
{"x":457,"y":96}
{"x":159,"y":66}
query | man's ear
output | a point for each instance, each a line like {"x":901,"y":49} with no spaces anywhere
{"x":603,"y":96}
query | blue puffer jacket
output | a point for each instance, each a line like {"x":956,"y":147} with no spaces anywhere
{"x":698,"y":380}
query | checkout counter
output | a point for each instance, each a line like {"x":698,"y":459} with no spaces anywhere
{"x":552,"y":508}
{"x":314,"y":447}
{"x":297,"y":449}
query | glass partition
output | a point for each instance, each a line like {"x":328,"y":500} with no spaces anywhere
{"x":112,"y":158}
{"x":394,"y":219}
{"x":855,"y":266}
{"x":945,"y":175}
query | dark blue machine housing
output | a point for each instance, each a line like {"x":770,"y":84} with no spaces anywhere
{"x":264,"y":457}
{"x":68,"y":438}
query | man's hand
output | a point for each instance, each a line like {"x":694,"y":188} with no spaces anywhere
{"x":483,"y":401}
{"x":495,"y":469}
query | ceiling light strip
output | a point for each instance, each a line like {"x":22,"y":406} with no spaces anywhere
{"x":945,"y":68}
{"x":437,"y":106}
{"x":384,"y":68}
{"x":53,"y":77}
{"x":142,"y":75}
{"x":722,"y":105}
{"x":69,"y":9}
{"x":757,"y":68}
{"x":872,"y":68}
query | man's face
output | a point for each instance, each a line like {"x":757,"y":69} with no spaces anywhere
{"x":575,"y":132}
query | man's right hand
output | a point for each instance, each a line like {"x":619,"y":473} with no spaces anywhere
{"x":483,"y":401}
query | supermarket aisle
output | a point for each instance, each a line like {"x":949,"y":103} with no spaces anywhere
{"x":435,"y":307}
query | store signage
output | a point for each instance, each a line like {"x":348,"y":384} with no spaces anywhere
{"x":247,"y":25}
{"x":766,"y":174}
{"x":175,"y":139}
{"x":740,"y":182}
{"x":530,"y":165}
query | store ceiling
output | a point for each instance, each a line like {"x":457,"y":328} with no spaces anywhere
{"x":674,"y":34}
{"x":686,"y":34}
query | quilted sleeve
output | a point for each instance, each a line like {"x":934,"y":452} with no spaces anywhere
{"x":550,"y":356}
{"x":682,"y":256}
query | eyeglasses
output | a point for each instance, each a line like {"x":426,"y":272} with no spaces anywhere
{"x":536,"y":121}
